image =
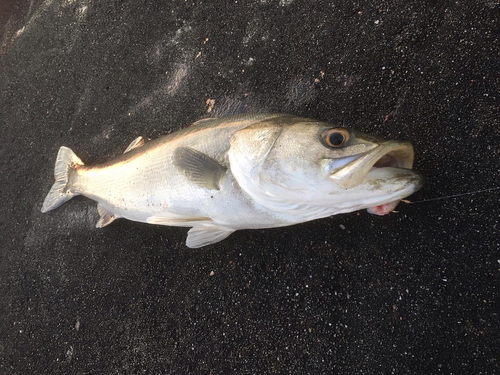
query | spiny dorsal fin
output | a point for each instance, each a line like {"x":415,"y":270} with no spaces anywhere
{"x":138,"y":142}
{"x":199,"y":168}
{"x":106,"y":217}
{"x":249,"y":117}
{"x":204,"y":235}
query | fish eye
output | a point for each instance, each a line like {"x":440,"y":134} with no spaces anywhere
{"x":336,"y":137}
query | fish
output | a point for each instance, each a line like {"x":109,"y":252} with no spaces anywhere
{"x":247,"y":171}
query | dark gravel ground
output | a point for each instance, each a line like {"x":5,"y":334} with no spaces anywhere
{"x":415,"y":292}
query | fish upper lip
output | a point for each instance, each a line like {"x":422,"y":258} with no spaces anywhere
{"x":387,"y":154}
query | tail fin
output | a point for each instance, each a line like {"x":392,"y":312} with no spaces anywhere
{"x":65,"y":163}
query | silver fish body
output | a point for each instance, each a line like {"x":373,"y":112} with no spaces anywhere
{"x":241,"y":172}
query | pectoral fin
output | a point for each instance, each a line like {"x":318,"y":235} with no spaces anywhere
{"x":106,"y":217}
{"x":204,"y":235}
{"x":199,"y":168}
{"x":138,"y":142}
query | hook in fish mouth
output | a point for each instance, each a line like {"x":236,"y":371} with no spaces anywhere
{"x":390,"y":154}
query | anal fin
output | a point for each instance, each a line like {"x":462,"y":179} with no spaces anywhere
{"x":203,"y":232}
{"x":168,"y":218}
{"x":203,"y":235}
{"x":138,"y":142}
{"x":106,"y":217}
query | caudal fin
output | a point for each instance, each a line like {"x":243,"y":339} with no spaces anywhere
{"x":60,"y":193}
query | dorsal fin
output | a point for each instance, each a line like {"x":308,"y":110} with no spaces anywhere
{"x":138,"y":142}
{"x":199,"y":168}
{"x":106,"y":217}
{"x":250,"y":117}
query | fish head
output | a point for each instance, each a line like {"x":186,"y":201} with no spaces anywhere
{"x":315,"y":169}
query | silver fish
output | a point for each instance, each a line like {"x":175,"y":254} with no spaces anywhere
{"x":241,"y":172}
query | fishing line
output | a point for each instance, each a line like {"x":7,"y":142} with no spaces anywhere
{"x":453,"y":196}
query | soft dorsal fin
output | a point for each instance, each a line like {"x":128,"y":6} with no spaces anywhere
{"x":138,"y":142}
{"x":203,"y":235}
{"x":199,"y":168}
{"x":106,"y":217}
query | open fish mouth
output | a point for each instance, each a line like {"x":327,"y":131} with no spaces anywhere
{"x":400,"y":157}
{"x":390,"y":154}
{"x":390,"y":159}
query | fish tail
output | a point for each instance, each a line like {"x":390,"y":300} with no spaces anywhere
{"x":66,"y":163}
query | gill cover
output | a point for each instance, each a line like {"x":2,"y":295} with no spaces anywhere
{"x":276,"y":162}
{"x":248,"y":151}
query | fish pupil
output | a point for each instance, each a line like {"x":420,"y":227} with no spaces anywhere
{"x":336,"y":138}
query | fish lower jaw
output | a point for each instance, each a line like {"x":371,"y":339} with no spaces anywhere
{"x":410,"y":181}
{"x":379,"y":196}
{"x":386,"y":203}
{"x":390,"y":178}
